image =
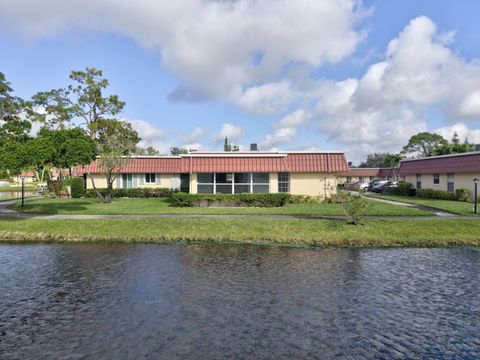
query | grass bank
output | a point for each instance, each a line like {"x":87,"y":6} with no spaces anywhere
{"x":387,"y":233}
{"x":455,"y":207}
{"x":162,"y":206}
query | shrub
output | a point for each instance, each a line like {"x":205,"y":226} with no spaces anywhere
{"x":77,"y":185}
{"x":54,"y":186}
{"x":338,"y":198}
{"x":403,"y":188}
{"x":133,"y":193}
{"x":305,"y":199}
{"x":463,"y":194}
{"x":436,"y":194}
{"x":355,"y":207}
{"x":247,"y":200}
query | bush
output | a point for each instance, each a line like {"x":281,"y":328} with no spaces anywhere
{"x":436,"y":194}
{"x":463,"y":194}
{"x":247,"y":200}
{"x":133,"y":193}
{"x":55,"y":186}
{"x":305,"y":199}
{"x":338,"y":198}
{"x":77,"y":185}
{"x":355,"y":207}
{"x":403,"y":188}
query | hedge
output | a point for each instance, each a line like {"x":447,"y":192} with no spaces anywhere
{"x":133,"y":193}
{"x":247,"y":200}
{"x":458,"y":195}
{"x":77,"y":185}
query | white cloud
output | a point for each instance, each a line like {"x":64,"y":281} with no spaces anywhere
{"x":150,"y":135}
{"x":194,"y":136}
{"x":390,"y":102}
{"x":462,"y":130}
{"x":281,"y":136}
{"x":214,"y":47}
{"x":234,"y":133}
{"x":267,"y":99}
{"x":298,"y":117}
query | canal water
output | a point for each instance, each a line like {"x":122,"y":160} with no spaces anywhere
{"x":237,"y":302}
{"x":9,"y":195}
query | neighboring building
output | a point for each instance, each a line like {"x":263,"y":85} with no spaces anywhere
{"x":446,"y":172}
{"x":365,"y":174}
{"x":28,"y":177}
{"x":306,"y":173}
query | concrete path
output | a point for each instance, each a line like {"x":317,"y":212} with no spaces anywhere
{"x":437,"y":212}
{"x":7,"y":213}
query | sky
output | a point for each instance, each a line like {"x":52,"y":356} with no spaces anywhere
{"x":355,"y":76}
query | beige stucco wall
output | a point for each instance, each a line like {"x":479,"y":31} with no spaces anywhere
{"x":193,"y":183}
{"x":273,"y":183}
{"x":101,"y":182}
{"x":314,"y":184}
{"x":461,"y":181}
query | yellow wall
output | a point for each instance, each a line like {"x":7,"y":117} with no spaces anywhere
{"x":100,"y":181}
{"x":461,"y":181}
{"x":314,"y":184}
{"x":193,"y":183}
{"x":274,"y":182}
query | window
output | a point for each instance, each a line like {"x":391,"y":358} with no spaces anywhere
{"x":349,"y":179}
{"x":283,"y":182}
{"x":450,"y":182}
{"x":150,"y":178}
{"x":237,"y":183}
{"x":360,"y":179}
{"x":205,"y":183}
{"x":436,"y":179}
{"x":127,"y":181}
{"x":419,"y":181}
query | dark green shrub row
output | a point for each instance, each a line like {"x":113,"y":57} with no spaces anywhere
{"x":248,"y":200}
{"x":77,"y":185}
{"x":133,"y":193}
{"x":459,"y":194}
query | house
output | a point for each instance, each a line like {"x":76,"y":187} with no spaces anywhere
{"x":306,"y":173}
{"x":27,"y":176}
{"x":366,"y":174}
{"x":446,"y":172}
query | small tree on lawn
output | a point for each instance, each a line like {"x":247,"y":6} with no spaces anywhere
{"x":116,"y":140}
{"x":355,"y":207}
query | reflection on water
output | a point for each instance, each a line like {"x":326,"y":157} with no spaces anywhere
{"x":215,"y":302}
{"x":7,"y":195}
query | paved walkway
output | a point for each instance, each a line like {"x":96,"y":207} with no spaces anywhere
{"x":437,"y":212}
{"x":5,"y":212}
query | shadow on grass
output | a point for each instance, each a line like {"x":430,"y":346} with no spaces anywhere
{"x":52,"y":207}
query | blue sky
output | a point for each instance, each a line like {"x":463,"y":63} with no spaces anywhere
{"x":256,"y":82}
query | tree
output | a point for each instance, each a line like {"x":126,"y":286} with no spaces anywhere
{"x":13,"y":125}
{"x":455,"y":147}
{"x":381,"y":160}
{"x":83,"y":101}
{"x":41,"y":151}
{"x":424,"y":144}
{"x":116,"y":140}
{"x":72,"y":147}
{"x":149,"y":151}
{"x":227,"y":147}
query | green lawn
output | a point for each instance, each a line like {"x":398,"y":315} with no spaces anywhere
{"x":455,"y":207}
{"x":448,"y":232}
{"x":161,"y":206}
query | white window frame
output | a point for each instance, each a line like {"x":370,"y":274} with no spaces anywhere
{"x":148,"y":178}
{"x":251,"y":184}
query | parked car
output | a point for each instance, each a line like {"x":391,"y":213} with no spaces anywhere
{"x":363,"y":185}
{"x":372,"y":183}
{"x":378,"y":186}
{"x":390,"y":187}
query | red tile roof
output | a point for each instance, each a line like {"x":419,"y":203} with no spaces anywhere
{"x":375,"y":172}
{"x":467,"y":163}
{"x":235,"y":162}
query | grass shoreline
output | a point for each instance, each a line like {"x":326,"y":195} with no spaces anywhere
{"x":266,"y":231}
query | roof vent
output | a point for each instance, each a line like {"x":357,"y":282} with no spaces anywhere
{"x":253,"y":147}
{"x":477,"y":147}
{"x":350,"y":163}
